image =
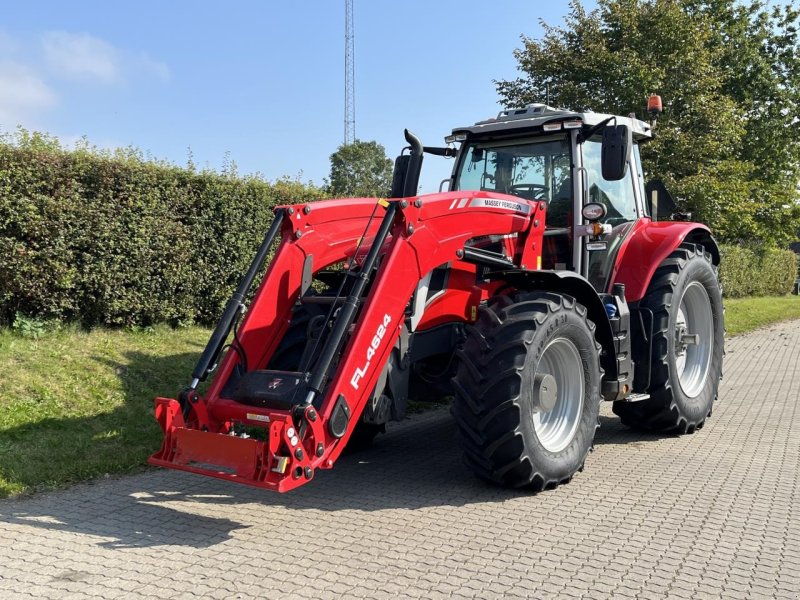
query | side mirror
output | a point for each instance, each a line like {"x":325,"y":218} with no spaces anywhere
{"x":616,"y":151}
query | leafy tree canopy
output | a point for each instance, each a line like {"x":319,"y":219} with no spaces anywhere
{"x":360,"y":170}
{"x":728,"y":71}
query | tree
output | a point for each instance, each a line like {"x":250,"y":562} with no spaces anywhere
{"x":360,"y":169}
{"x":729,"y":74}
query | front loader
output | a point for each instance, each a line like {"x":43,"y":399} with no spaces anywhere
{"x":537,"y":287}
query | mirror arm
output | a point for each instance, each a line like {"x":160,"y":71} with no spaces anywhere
{"x":448,"y":152}
{"x":595,"y":128}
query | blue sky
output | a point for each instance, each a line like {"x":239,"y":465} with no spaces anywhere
{"x":263,"y":81}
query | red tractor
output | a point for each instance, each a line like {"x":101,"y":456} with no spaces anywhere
{"x":539,"y":285}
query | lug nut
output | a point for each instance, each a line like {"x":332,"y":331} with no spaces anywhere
{"x":298,"y":454}
{"x":309,"y":473}
{"x":320,"y":449}
{"x":306,"y":209}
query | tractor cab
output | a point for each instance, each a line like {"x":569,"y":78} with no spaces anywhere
{"x":557,"y":156}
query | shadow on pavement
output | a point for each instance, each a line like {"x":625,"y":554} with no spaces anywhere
{"x":126,"y":521}
{"x":613,"y":432}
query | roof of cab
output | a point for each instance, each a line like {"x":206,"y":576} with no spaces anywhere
{"x":533,"y":116}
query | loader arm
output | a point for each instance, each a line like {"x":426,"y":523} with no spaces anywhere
{"x":406,"y":239}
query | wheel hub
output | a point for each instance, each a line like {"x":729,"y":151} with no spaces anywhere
{"x":694,"y":338}
{"x":545,"y":392}
{"x":683,"y":339}
{"x":558,"y":394}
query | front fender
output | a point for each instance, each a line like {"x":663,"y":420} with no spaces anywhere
{"x":648,"y":245}
{"x":575,"y":285}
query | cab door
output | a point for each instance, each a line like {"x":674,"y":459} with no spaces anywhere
{"x":623,"y":202}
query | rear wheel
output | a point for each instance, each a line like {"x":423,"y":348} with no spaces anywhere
{"x":527,"y":390}
{"x":688,"y":344}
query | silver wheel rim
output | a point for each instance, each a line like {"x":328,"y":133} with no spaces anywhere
{"x":694,"y":337}
{"x":556,"y":428}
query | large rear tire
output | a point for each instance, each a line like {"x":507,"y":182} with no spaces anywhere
{"x":688,"y":344}
{"x":527,"y":390}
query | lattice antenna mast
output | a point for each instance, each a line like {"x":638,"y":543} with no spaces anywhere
{"x":349,"y":76}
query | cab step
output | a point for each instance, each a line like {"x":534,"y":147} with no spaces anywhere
{"x":635,"y":397}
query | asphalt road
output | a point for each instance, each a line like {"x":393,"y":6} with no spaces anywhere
{"x":710,"y":515}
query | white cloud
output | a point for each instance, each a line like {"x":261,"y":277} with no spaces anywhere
{"x":23,"y":94}
{"x":8,"y":45}
{"x":81,"y":56}
{"x":152,"y":67}
{"x":32,"y":68}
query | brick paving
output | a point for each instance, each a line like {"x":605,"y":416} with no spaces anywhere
{"x":710,"y":515}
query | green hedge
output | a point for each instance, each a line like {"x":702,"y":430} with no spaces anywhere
{"x":118,"y":240}
{"x":757,"y":272}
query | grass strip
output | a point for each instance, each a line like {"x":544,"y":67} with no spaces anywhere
{"x":746,"y":314}
{"x":76,"y":405}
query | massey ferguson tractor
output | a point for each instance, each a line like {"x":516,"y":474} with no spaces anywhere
{"x":539,"y":285}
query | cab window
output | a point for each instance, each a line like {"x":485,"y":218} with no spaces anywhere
{"x":617,"y":196}
{"x":537,"y":170}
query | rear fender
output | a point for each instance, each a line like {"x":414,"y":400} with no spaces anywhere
{"x":648,"y":245}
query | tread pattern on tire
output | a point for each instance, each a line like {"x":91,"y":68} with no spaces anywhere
{"x":661,"y":412}
{"x":488,"y":383}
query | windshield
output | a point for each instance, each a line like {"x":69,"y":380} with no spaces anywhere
{"x":534,"y":170}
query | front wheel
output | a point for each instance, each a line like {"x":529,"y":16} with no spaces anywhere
{"x":527,"y":390}
{"x":688,"y":344}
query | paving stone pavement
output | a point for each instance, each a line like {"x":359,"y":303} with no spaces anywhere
{"x":710,"y":515}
